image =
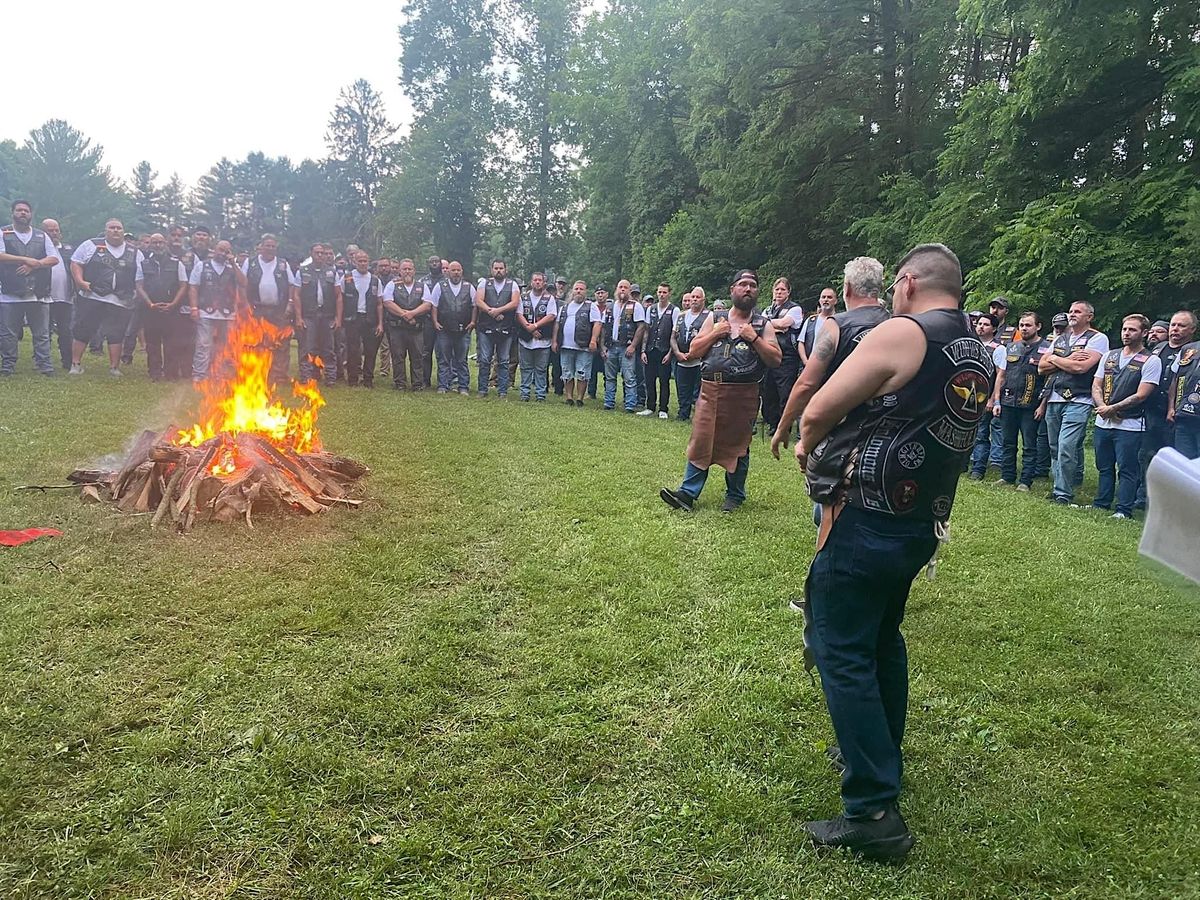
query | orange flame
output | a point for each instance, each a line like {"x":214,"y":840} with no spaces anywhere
{"x":239,"y":398}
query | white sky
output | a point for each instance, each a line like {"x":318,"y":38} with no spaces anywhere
{"x":201,"y":81}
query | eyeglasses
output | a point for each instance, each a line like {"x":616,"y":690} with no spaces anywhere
{"x":891,"y":292}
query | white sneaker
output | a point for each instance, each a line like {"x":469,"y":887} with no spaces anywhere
{"x":662,"y":415}
{"x":1118,"y":515}
{"x":76,"y":370}
{"x":646,"y":412}
{"x":116,"y":373}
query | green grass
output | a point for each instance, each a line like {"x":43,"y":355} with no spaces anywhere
{"x":515,"y":673}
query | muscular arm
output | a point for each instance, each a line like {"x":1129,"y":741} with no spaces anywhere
{"x":77,"y":274}
{"x":43,"y":263}
{"x":703,"y":341}
{"x":767,"y":347}
{"x":1000,"y":373}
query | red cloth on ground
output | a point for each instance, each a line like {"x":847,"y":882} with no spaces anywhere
{"x":16,"y":538}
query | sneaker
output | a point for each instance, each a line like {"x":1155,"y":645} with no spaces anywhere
{"x":676,"y":499}
{"x":1059,"y":501}
{"x":116,"y":373}
{"x":606,"y":406}
{"x":646,"y":412}
{"x":730,"y":505}
{"x":1022,"y":489}
{"x":976,"y":476}
{"x":887,"y":838}
{"x":796,"y":604}
{"x":75,"y":370}
{"x":663,"y":415}
{"x":1000,"y":482}
{"x":1120,"y":515}
{"x":837,"y":762}
{"x":464,"y":392}
{"x":442,"y":391}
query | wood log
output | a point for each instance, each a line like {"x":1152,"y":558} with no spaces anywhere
{"x":196,"y":470}
{"x":168,"y":492}
{"x":351,"y":469}
{"x":91,"y":476}
{"x":286,"y":461}
{"x":167,"y":453}
{"x":138,"y":455}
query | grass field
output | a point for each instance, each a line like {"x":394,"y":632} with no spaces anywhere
{"x":515,"y":673}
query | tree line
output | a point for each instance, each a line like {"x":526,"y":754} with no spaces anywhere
{"x":1052,"y":144}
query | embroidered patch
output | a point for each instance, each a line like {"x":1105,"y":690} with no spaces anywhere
{"x":911,"y":455}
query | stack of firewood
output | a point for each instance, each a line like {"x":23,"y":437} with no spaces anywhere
{"x":227,"y":477}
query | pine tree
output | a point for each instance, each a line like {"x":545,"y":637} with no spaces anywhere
{"x":147,"y":200}
{"x":362,"y":152}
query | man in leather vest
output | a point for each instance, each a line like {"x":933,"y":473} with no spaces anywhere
{"x":1125,"y":380}
{"x":639,"y":370}
{"x":656,"y":356}
{"x":271,"y":287}
{"x":362,"y":317}
{"x":535,"y":317}
{"x":624,"y":326}
{"x":1183,"y":400}
{"x":62,"y":292}
{"x":1158,"y":333}
{"x":216,"y":291}
{"x":687,"y":371}
{"x":434,"y":275}
{"x":862,"y":284}
{"x":575,"y":341}
{"x":813,"y":325}
{"x":1071,"y":365}
{"x":1004,"y":333}
{"x":737,"y":347}
{"x":1181,"y":330}
{"x":989,"y":443}
{"x":556,"y":370}
{"x":406,"y":307}
{"x":787,"y":318}
{"x":600,"y":298}
{"x":495,"y":298}
{"x":882,"y":443}
{"x":318,"y":315}
{"x":454,"y":317}
{"x":1017,"y":399}
{"x":106,"y":271}
{"x":27,"y":256}
{"x":184,"y":344}
{"x":163,"y":286}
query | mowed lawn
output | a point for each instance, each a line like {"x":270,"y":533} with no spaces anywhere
{"x":515,"y":673}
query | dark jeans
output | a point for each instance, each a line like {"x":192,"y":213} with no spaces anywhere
{"x":452,"y":350}
{"x":407,"y":343}
{"x":687,"y":387}
{"x":132,"y":327}
{"x":694,"y":479}
{"x":1016,"y":421}
{"x":1117,"y":454}
{"x":1187,"y":437}
{"x":857,"y":588}
{"x":776,"y":387}
{"x":430,"y":335}
{"x":362,"y":346}
{"x":597,"y":373}
{"x":1042,"y":468}
{"x":658,"y":379}
{"x":1157,"y":435}
{"x":989,"y":442}
{"x":639,"y":374}
{"x":316,"y":341}
{"x":556,"y":371}
{"x":177,"y":361}
{"x":60,"y":324}
{"x":157,"y":325}
{"x":488,"y":347}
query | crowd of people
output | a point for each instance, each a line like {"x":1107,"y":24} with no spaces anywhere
{"x":177,"y":294}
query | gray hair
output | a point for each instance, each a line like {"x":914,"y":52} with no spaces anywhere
{"x":268,"y":237}
{"x":864,"y":275}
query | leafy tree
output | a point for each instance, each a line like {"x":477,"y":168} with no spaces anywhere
{"x":362,"y":153}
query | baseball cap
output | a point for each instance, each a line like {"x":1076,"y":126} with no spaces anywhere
{"x":561,"y":279}
{"x":1059,"y":319}
{"x":635,"y":289}
{"x":998,"y":301}
{"x":745,"y":273}
{"x":601,"y":287}
{"x":1161,"y":323}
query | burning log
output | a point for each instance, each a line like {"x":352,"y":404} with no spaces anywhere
{"x":224,"y":479}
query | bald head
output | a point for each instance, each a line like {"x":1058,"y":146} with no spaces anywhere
{"x":52,"y":228}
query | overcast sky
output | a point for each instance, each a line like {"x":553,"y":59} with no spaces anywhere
{"x":201,"y":81}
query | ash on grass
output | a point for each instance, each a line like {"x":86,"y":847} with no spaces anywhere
{"x":515,"y":673}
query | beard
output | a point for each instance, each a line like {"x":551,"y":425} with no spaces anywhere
{"x":745,"y":304}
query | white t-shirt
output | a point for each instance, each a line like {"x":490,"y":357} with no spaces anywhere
{"x":268,"y":293}
{"x":83,"y":255}
{"x":1151,"y":374}
{"x":796,"y":314}
{"x":61,"y":285}
{"x":504,"y":295}
{"x":362,"y":284}
{"x":689,"y":319}
{"x":527,"y":340}
{"x":1099,"y":343}
{"x":194,"y":280}
{"x":435,"y":296}
{"x":569,"y":314}
{"x":618,"y":311}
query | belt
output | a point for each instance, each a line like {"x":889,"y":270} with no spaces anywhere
{"x":722,"y":378}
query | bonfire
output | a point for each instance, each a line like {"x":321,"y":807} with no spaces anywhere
{"x":247,"y":454}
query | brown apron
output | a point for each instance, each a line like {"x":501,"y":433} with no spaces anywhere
{"x":722,"y":424}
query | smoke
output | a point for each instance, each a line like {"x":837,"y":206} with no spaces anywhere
{"x":176,"y":407}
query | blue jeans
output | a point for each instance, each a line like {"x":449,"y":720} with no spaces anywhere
{"x":687,"y":387}
{"x":533,"y":370}
{"x":13,"y":317}
{"x":1042,"y":468}
{"x":857,"y":589}
{"x":1156,"y":436}
{"x":618,"y":362}
{"x":598,"y":359}
{"x":1117,"y":455}
{"x":1017,"y":421}
{"x":735,"y":482}
{"x":1066,"y":426}
{"x":452,"y":352}
{"x":493,"y":346}
{"x":989,"y":444}
{"x":576,"y":364}
{"x":210,"y":338}
{"x":1187,"y":437}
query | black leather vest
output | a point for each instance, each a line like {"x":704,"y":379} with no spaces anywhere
{"x":902,"y":453}
{"x":310,"y":276}
{"x":1073,"y":386}
{"x":1006,"y":334}
{"x":1119,"y":384}
{"x":1022,"y":383}
{"x":535,"y":312}
{"x":407,"y":298}
{"x":283,"y":287}
{"x":658,"y":327}
{"x":734,"y":359}
{"x":350,"y":311}
{"x":1187,"y":384}
{"x":1155,"y":406}
{"x":684,"y":335}
{"x":494,"y":300}
{"x":217,"y":291}
{"x":627,"y":327}
{"x":161,"y":277}
{"x":853,"y":326}
{"x":808,"y":332}
{"x":35,"y":285}
{"x":787,"y":337}
{"x":583,"y":324}
{"x":112,"y":275}
{"x":454,"y":312}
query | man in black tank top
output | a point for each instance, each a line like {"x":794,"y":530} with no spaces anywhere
{"x":882,"y":443}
